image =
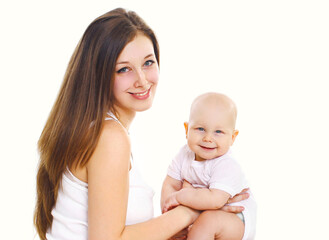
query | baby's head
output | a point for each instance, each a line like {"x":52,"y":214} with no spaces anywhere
{"x":211,"y":128}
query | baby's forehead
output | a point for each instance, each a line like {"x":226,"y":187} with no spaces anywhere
{"x":212,"y":97}
{"x":211,"y":105}
{"x":214,"y":104}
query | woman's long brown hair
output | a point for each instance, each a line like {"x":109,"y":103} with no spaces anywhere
{"x":73,"y":128}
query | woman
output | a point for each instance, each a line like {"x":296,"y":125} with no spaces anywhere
{"x":87,"y":186}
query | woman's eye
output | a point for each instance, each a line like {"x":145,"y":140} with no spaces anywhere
{"x":200,"y":129}
{"x":122,"y":70}
{"x":149,"y":63}
{"x":218,"y":131}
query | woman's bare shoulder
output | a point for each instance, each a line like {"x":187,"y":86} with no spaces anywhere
{"x":113,"y":148}
{"x":114,"y":134}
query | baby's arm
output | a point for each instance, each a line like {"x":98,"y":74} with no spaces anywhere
{"x":197,"y":198}
{"x":170,"y":186}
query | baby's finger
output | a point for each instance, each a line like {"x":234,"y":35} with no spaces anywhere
{"x":180,"y":238}
{"x":239,"y":197}
{"x":171,"y":207}
{"x":180,"y":235}
{"x":244,"y":190}
{"x":165,"y":209}
{"x":232,"y":209}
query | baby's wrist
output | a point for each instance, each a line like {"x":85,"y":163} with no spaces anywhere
{"x":179,"y":195}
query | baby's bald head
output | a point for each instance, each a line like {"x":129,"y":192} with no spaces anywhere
{"x":212,"y":101}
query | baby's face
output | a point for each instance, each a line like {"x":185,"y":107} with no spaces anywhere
{"x":210,"y":131}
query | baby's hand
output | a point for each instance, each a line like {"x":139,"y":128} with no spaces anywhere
{"x":170,"y":203}
{"x":186,"y":184}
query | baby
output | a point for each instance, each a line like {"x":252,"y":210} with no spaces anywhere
{"x":204,"y":175}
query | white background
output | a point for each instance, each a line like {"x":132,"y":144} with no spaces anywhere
{"x":271,"y":57}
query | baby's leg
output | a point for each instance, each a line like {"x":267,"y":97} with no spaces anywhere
{"x":216,"y":224}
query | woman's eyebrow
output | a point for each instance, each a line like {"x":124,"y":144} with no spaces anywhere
{"x":150,"y":55}
{"x":125,"y":62}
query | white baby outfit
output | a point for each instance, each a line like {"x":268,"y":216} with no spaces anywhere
{"x":70,"y":214}
{"x":223,"y":173}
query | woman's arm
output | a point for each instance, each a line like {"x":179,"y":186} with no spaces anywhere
{"x":162,"y":227}
{"x":108,"y":187}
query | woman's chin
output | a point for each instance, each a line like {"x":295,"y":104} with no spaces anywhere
{"x":143,"y":108}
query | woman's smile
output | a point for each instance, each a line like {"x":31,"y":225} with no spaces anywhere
{"x":141,"y":95}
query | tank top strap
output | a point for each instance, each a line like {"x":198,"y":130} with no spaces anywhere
{"x":111,"y":116}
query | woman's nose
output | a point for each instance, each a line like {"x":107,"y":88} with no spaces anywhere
{"x":140,"y":79}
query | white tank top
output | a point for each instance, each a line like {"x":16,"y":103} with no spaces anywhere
{"x":70,"y":214}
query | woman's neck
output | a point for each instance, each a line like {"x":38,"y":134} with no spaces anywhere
{"x":125,"y":117}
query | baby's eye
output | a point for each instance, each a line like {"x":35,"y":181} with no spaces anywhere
{"x":149,"y":63}
{"x":123,"y":70}
{"x":218,"y":131}
{"x":200,"y":129}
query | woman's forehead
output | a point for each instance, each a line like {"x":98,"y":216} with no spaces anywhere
{"x":140,"y":47}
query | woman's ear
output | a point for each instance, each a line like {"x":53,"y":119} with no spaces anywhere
{"x":186,"y":128}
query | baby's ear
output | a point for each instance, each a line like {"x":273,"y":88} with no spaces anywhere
{"x":235,"y":133}
{"x":186,"y":128}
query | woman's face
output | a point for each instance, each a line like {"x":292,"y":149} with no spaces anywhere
{"x":136,"y":76}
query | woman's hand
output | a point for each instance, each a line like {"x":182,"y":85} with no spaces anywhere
{"x":181,"y":235}
{"x":243,"y":195}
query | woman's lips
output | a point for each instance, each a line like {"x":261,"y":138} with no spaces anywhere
{"x":141,"y":95}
